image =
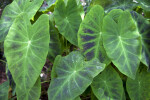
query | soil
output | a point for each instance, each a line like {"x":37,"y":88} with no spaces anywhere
{"x":3,"y":77}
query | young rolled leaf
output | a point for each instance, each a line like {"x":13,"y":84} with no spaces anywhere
{"x":90,"y":35}
{"x":55,"y":47}
{"x":33,"y":94}
{"x":26,"y":47}
{"x":68,"y":19}
{"x":145,"y":4}
{"x":4,"y":88}
{"x":144,"y":29}
{"x":108,"y":85}
{"x":121,"y":41}
{"x":15,"y":9}
{"x":73,"y":76}
{"x":139,"y":88}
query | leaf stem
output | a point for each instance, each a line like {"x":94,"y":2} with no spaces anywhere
{"x":45,"y":82}
{"x":3,"y":61}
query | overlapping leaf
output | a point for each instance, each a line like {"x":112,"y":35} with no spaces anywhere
{"x":55,"y":43}
{"x":4,"y":88}
{"x":108,"y":85}
{"x":122,"y":43}
{"x":72,"y":76}
{"x":145,"y":4}
{"x":33,"y":94}
{"x":114,"y":4}
{"x":144,"y":29}
{"x":139,"y":88}
{"x":15,"y":9}
{"x":47,"y":4}
{"x":68,"y":19}
{"x":90,"y":35}
{"x":26,"y":47}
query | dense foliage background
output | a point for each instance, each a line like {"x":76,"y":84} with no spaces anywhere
{"x":74,"y":49}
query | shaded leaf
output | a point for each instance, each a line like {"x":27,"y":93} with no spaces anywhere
{"x":15,"y":9}
{"x":122,"y":43}
{"x":26,"y":47}
{"x":74,"y":75}
{"x":4,"y":88}
{"x":139,"y":88}
{"x":68,"y":19}
{"x":55,"y":47}
{"x":144,"y":29}
{"x":108,"y":85}
{"x":108,"y":5}
{"x":90,"y":35}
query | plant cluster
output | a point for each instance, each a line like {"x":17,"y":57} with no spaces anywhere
{"x":101,"y":49}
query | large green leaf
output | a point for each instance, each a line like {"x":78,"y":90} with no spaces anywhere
{"x":145,"y":4}
{"x":26,"y":47}
{"x":4,"y":87}
{"x":33,"y":94}
{"x":90,"y":35}
{"x":114,"y":4}
{"x":15,"y":9}
{"x":108,"y":85}
{"x":73,"y":76}
{"x":139,"y":88}
{"x":68,"y":19}
{"x":55,"y":47}
{"x":144,"y":29}
{"x":122,"y":42}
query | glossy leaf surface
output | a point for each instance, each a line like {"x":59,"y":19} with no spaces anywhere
{"x":122,"y":43}
{"x":68,"y":19}
{"x":139,"y":88}
{"x":26,"y":47}
{"x":144,"y":29}
{"x":108,"y":85}
{"x":33,"y":94}
{"x":74,"y":75}
{"x":15,"y":9}
{"x":4,"y":88}
{"x":90,"y":35}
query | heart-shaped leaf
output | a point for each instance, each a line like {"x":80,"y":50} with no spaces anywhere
{"x":108,"y":85}
{"x":15,"y":9}
{"x":68,"y":19}
{"x":33,"y":94}
{"x":26,"y":47}
{"x":145,"y":4}
{"x":144,"y":29}
{"x":4,"y":88}
{"x":122,"y":42}
{"x":139,"y":88}
{"x":90,"y":35}
{"x":73,"y":76}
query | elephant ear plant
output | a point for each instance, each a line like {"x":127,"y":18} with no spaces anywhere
{"x":100,"y":53}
